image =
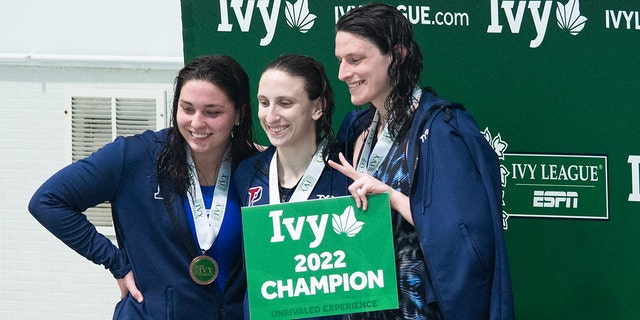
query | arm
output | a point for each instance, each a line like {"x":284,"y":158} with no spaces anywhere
{"x":58,"y":205}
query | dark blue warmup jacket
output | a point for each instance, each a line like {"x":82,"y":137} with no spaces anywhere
{"x":252,"y":180}
{"x":456,"y":205}
{"x":153,"y":232}
{"x":252,"y":185}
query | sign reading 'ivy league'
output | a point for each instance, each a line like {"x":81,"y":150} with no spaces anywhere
{"x":319,"y":257}
{"x":555,"y":186}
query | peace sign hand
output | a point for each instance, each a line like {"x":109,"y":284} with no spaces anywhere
{"x":363,"y":183}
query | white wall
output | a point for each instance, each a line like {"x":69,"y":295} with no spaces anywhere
{"x":115,"y":27}
{"x":48,"y":47}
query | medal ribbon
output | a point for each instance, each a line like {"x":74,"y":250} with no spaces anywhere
{"x":209,"y":221}
{"x":306,"y":184}
{"x":370,"y":160}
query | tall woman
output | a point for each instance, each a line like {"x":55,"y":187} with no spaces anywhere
{"x":177,"y":258}
{"x":442,"y":176}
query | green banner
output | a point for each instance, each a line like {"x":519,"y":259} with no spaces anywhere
{"x":319,"y":257}
{"x":548,"y":82}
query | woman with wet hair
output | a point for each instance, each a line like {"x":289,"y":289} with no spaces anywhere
{"x":442,"y":176}
{"x":295,"y":104}
{"x":179,"y":250}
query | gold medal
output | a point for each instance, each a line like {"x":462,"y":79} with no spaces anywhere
{"x":203,"y":270}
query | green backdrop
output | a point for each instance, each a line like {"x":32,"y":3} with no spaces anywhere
{"x":549,"y":81}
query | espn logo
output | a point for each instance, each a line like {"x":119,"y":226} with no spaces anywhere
{"x":553,"y":199}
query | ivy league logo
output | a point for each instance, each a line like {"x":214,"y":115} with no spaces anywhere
{"x":297,"y":15}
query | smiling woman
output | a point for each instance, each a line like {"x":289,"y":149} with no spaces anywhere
{"x":295,"y":108}
{"x":205,"y":118}
{"x":442,"y":176}
{"x":286,"y":112}
{"x":172,"y":210}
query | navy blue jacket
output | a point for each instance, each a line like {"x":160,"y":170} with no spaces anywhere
{"x":252,"y":180}
{"x":456,"y":205}
{"x":153,"y":233}
{"x":252,"y":186}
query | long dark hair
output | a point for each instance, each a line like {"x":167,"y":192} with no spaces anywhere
{"x":316,"y":84}
{"x":391,"y":33}
{"x":224,"y":72}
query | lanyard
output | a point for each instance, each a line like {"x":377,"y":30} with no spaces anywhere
{"x":208,"y":221}
{"x":370,"y":160}
{"x":306,"y":184}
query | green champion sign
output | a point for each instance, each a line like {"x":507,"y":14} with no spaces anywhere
{"x":319,"y":257}
{"x":556,"y":186}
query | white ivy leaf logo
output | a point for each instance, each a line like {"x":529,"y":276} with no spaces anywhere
{"x":505,"y":223}
{"x":298,"y":16}
{"x":504,"y":173}
{"x":569,"y":17}
{"x":498,"y":145}
{"x":346,"y":222}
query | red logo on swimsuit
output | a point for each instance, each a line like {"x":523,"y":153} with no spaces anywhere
{"x":255,"y":194}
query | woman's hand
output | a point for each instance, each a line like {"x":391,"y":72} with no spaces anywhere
{"x":364,"y":184}
{"x":128,"y":286}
